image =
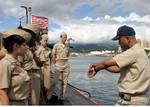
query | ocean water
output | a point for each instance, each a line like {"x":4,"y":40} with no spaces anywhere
{"x":103,"y":87}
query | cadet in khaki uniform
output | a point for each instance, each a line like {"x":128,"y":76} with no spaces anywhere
{"x":32,"y":64}
{"x":14,"y":80}
{"x":133,"y":66}
{"x":29,"y":64}
{"x":3,"y":98}
{"x":60,"y":54}
{"x":44,"y":53}
{"x":2,"y":51}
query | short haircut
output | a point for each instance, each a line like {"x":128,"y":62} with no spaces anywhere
{"x":63,"y":34}
{"x":11,"y":40}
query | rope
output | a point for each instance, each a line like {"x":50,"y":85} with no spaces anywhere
{"x":88,"y":93}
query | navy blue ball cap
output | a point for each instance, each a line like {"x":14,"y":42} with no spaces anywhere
{"x":124,"y":31}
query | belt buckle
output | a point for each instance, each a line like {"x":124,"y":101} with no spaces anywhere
{"x":125,"y":96}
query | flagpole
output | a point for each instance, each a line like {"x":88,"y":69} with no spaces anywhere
{"x":29,"y":15}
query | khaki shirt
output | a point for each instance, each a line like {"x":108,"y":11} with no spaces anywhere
{"x":27,"y":61}
{"x":44,"y":54}
{"x":60,"y":54}
{"x":14,"y":78}
{"x":135,"y":70}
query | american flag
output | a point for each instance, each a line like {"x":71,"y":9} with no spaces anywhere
{"x":42,"y":22}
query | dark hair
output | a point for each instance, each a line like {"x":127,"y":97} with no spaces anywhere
{"x":11,"y":40}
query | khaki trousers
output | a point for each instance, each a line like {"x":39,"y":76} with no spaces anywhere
{"x":65,"y":75}
{"x":56,"y":76}
{"x":46,"y":81}
{"x":35,"y":86}
{"x":135,"y":100}
{"x":46,"y":77}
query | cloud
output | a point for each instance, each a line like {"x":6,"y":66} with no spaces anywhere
{"x":137,"y":6}
{"x":62,"y":9}
{"x":133,"y":17}
{"x":100,"y":24}
{"x":123,"y":7}
{"x":95,"y":30}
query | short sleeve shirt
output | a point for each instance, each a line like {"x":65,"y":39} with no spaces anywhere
{"x":135,"y":70}
{"x":14,"y":78}
{"x":27,"y":60}
{"x":61,"y":53}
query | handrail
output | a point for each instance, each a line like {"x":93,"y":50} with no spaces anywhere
{"x":89,"y":94}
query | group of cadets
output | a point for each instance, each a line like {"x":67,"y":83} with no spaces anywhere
{"x":29,"y":70}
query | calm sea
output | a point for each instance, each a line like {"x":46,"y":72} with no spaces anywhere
{"x":102,"y":87}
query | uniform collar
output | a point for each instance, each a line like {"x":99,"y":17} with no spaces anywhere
{"x":11,"y":59}
{"x":136,"y":45}
{"x":63,"y":45}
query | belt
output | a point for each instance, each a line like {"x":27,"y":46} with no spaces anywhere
{"x":33,"y":71}
{"x":128,"y":96}
{"x":125,"y":96}
{"x":46,"y":64}
{"x":25,"y":101}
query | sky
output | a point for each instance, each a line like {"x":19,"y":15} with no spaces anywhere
{"x":86,"y":21}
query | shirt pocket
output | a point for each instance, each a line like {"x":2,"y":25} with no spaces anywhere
{"x":19,"y":76}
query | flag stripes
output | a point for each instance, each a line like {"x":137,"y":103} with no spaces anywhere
{"x":42,"y":22}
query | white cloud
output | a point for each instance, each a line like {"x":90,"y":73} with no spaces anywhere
{"x":91,"y":30}
{"x":133,"y":17}
{"x":87,"y":18}
{"x":88,"y":30}
{"x":65,"y":8}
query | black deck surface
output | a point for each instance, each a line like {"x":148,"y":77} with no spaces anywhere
{"x":75,"y":97}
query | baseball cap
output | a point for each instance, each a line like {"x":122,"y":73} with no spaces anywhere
{"x":124,"y":31}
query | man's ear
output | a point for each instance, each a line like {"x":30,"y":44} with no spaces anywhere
{"x":15,"y":46}
{"x":128,"y":39}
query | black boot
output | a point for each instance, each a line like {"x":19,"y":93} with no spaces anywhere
{"x":53,"y":100}
{"x":61,"y":102}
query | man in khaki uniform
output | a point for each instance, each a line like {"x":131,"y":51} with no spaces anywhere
{"x":14,"y":80}
{"x":44,"y":54}
{"x":133,"y":66}
{"x":60,"y":54}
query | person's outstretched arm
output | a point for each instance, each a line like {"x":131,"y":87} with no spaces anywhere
{"x":109,"y":65}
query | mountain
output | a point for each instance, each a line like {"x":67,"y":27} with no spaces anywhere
{"x":110,"y":45}
{"x":104,"y":45}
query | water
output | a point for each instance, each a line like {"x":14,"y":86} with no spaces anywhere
{"x":103,"y":87}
